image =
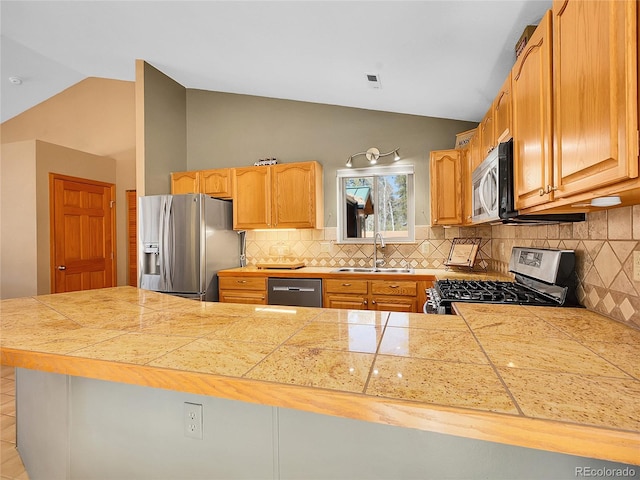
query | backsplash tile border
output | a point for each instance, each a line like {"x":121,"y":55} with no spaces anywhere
{"x":604,"y":246}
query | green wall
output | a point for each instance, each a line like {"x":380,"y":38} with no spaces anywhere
{"x":225,"y":129}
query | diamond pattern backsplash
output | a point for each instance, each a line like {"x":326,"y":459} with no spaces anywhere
{"x":604,"y":246}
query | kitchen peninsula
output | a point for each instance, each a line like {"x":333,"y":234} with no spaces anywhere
{"x":561,"y":380}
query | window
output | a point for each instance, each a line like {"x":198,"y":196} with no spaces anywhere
{"x":376,"y":199}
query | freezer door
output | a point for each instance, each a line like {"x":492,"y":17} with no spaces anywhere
{"x":182,"y":240}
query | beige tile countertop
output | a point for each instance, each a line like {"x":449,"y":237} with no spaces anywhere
{"x":320,"y":272}
{"x":557,"y":379}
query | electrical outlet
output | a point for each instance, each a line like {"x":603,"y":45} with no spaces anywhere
{"x":193,"y":420}
{"x":425,"y":248}
{"x":325,"y":247}
{"x":636,"y":266}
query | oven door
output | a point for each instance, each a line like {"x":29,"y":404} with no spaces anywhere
{"x":485,"y":190}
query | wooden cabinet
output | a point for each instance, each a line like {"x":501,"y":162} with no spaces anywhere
{"x":487,"y":135}
{"x":394,"y":296}
{"x":348,"y":293}
{"x":595,"y":95}
{"x":502,"y":107}
{"x":243,"y":289}
{"x":386,"y":295}
{"x":474,"y":153}
{"x":446,"y":169}
{"x":215,"y":182}
{"x":185,"y":182}
{"x":278,"y":196}
{"x":532,"y":127}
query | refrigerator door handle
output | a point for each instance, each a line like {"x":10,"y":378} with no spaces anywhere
{"x":171,"y":231}
{"x":168,"y":244}
{"x":161,"y":241}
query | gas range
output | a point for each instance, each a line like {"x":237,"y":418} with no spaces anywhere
{"x":543,"y":277}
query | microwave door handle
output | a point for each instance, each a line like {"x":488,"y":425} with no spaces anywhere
{"x":481,"y":193}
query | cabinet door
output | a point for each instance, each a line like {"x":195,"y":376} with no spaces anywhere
{"x":251,"y":197}
{"x":446,"y":187}
{"x":216,"y":183}
{"x":394,"y":304}
{"x":294,"y":195}
{"x":475,"y":156}
{"x":595,"y":94}
{"x":487,"y":134}
{"x":185,"y":182}
{"x":348,"y":302}
{"x":532,"y":128}
{"x":502,"y":112}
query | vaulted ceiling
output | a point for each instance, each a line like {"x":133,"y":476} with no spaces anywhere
{"x":433,"y":58}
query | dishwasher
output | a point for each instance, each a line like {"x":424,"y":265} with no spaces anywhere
{"x":299,"y":292}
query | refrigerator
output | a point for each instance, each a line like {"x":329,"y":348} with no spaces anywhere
{"x":183,"y":241}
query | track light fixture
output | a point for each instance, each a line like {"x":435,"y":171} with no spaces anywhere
{"x":373,"y":154}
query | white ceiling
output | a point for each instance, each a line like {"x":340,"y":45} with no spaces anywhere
{"x":434,"y":58}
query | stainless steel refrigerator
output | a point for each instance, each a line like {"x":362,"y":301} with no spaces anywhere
{"x":183,"y":241}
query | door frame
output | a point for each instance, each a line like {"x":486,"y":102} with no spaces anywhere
{"x":114,"y":242}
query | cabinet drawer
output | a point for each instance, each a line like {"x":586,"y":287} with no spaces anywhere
{"x":242,"y":283}
{"x":391,"y":287}
{"x":346,"y":286}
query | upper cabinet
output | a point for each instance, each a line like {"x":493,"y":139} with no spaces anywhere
{"x":214,"y":182}
{"x":446,"y":170}
{"x":595,"y":99}
{"x":185,"y":182}
{"x":278,"y":196}
{"x":532,"y":127}
{"x":502,"y":108}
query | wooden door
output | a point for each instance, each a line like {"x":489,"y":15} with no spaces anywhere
{"x":132,"y":237}
{"x":502,"y":112}
{"x":251,"y":197}
{"x":82,"y":234}
{"x":595,"y":94}
{"x":487,"y":134}
{"x":446,"y":187}
{"x":532,"y":127}
{"x":294,"y":195}
{"x":185,"y":182}
{"x":216,"y":182}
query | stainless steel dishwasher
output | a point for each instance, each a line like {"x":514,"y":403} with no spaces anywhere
{"x":299,"y":292}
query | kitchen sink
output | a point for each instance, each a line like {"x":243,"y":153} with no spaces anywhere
{"x":373,"y":270}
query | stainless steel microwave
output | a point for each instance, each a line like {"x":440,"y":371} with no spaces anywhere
{"x":493,"y":198}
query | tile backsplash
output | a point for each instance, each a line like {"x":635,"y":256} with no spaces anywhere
{"x":604,"y":245}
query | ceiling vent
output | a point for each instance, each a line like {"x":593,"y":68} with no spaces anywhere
{"x":373,"y":80}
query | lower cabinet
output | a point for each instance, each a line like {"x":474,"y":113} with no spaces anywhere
{"x":241,"y":289}
{"x":387,"y":295}
{"x":346,"y":292}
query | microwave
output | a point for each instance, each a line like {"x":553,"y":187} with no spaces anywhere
{"x":493,"y":199}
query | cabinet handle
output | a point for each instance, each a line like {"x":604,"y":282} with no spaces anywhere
{"x":365,"y":302}
{"x":241,"y":281}
{"x":372,"y":301}
{"x":346,"y":284}
{"x":394,"y":286}
{"x":548,"y":189}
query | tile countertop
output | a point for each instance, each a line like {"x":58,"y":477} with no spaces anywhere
{"x":557,"y":379}
{"x":319,"y":272}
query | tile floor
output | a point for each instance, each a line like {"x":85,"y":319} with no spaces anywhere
{"x":11,"y":467}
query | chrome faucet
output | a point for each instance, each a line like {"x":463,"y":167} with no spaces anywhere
{"x":376,"y":262}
